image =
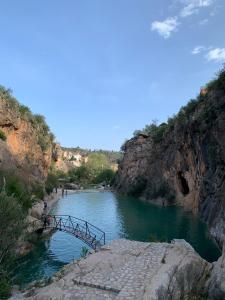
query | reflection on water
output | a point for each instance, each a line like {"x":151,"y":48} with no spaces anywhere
{"x":119,"y":217}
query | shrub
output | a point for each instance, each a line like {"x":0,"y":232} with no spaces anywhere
{"x":24,"y":110}
{"x":97,"y":162}
{"x":12,"y":223}
{"x":159,"y":132}
{"x":15,"y":185}
{"x":2,"y":135}
{"x":183,"y":116}
{"x":5,"y":287}
{"x":190,"y":107}
{"x":219,"y":82}
{"x":51,"y":182}
{"x":84,"y":252}
{"x":43,"y":141}
{"x":107,"y":176}
{"x":38,"y":191}
{"x":80,"y":174}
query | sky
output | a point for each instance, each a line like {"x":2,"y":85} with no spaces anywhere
{"x":100,"y":69}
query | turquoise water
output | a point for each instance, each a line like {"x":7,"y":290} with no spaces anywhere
{"x":119,"y":217}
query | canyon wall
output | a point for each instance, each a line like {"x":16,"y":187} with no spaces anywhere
{"x":27,"y":145}
{"x":70,"y":158}
{"x":183,"y":161}
{"x":23,"y":150}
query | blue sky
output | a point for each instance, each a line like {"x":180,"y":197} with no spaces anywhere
{"x":99,"y":69}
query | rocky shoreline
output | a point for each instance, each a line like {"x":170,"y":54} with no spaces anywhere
{"x":130,"y":270}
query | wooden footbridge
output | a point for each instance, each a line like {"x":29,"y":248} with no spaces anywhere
{"x":83,"y":230}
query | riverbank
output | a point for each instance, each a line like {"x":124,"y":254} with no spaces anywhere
{"x":38,"y":208}
{"x":25,"y":246}
{"x":133,"y":270}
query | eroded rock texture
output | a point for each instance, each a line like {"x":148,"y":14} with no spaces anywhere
{"x":130,"y":270}
{"x":186,"y":166}
{"x":22,"y":151}
{"x":216,"y":283}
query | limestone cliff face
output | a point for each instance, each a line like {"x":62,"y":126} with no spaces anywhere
{"x":186,"y":166}
{"x":67,"y":159}
{"x":22,"y":150}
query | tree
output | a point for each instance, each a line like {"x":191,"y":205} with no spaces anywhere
{"x":97,"y":162}
{"x":12,"y":224}
{"x":106,"y":176}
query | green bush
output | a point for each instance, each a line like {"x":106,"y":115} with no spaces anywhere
{"x":44,"y":136}
{"x":219,"y":82}
{"x":159,"y":132}
{"x":16,"y":186}
{"x":51,"y":183}
{"x":191,"y":107}
{"x":106,"y":176}
{"x":5,"y":288}
{"x":38,"y":191}
{"x":2,"y":135}
{"x":183,"y":116}
{"x":84,"y":252}
{"x":43,"y":141}
{"x":12,"y":224}
{"x":80,"y":174}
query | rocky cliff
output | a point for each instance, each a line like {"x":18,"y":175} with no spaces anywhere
{"x":183,"y":161}
{"x":67,"y":159}
{"x":26,"y":143}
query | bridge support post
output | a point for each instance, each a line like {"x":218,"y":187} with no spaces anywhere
{"x":86,"y":225}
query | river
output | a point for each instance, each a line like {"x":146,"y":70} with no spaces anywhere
{"x":119,"y":217}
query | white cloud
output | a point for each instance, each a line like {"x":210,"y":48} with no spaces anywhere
{"x":166,"y":27}
{"x":216,"y":54}
{"x":203,"y":22}
{"x":116,"y":127}
{"x":192,"y":7}
{"x":197,"y":50}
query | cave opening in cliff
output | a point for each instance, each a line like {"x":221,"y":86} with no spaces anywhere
{"x":183,"y":184}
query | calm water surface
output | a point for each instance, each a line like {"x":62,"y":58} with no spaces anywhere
{"x":119,"y":217}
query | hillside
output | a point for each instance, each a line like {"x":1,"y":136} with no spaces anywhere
{"x":28,"y":149}
{"x":70,"y":158}
{"x":26,"y":142}
{"x":182,"y":161}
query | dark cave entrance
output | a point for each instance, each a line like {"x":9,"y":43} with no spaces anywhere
{"x":183,"y":184}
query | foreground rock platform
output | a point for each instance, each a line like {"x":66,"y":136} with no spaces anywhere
{"x":129,"y":270}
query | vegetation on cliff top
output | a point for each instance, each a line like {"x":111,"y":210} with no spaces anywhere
{"x":15,"y":199}
{"x":207,"y":112}
{"x":44,"y":135}
{"x":111,"y":156}
{"x":2,"y":135}
{"x":200,"y":122}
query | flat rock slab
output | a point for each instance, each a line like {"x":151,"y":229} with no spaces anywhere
{"x":129,"y":270}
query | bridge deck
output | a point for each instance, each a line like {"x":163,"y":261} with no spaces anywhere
{"x":88,"y":233}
